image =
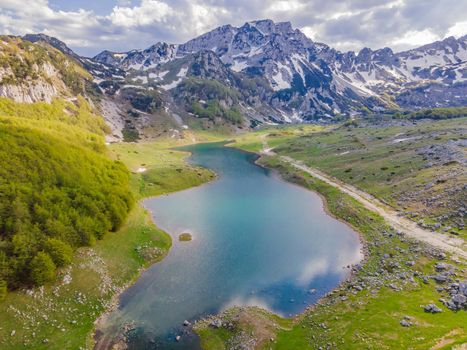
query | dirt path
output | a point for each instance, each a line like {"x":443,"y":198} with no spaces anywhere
{"x":449,"y":244}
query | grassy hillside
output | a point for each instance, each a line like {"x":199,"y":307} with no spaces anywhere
{"x":418,"y":168}
{"x":78,"y":113}
{"x":435,"y":113}
{"x":157,"y":168}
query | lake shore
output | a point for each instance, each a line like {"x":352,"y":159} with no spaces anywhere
{"x":319,"y":324}
{"x":100,"y":323}
{"x":354,"y":273}
{"x":320,"y":201}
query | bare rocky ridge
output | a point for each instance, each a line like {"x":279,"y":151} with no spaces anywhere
{"x":260,"y":73}
{"x":310,"y":80}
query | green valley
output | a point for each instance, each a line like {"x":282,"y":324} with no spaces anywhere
{"x":251,"y":188}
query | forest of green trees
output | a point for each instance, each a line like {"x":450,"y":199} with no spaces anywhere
{"x":434,"y":113}
{"x":58,"y":189}
{"x":213,"y":109}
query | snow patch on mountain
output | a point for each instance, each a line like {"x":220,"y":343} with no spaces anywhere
{"x":180,"y":76}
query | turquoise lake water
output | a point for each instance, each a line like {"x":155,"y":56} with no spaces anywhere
{"x":257,"y":240}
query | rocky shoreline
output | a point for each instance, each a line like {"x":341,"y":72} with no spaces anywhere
{"x":396,"y":272}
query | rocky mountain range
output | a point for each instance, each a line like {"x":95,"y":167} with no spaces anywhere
{"x":309,"y":80}
{"x":266,"y":72}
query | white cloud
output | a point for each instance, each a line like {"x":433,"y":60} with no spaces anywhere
{"x":149,"y":12}
{"x":204,"y":17}
{"x":312,"y":269}
{"x":459,"y":29}
{"x":287,"y":6}
{"x":416,"y":38}
{"x":309,"y":32}
{"x":138,"y":24}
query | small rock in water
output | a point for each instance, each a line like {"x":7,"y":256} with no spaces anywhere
{"x":185,"y":237}
{"x":177,"y":338}
{"x":186,"y":323}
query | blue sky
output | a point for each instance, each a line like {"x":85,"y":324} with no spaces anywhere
{"x":89,"y":26}
{"x":100,"y":7}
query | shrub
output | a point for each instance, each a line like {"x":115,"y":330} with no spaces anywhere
{"x":130,"y":134}
{"x":42,"y":268}
{"x":60,"y":252}
{"x":3,"y":290}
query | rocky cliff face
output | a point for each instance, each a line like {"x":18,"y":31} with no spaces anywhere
{"x":38,"y":72}
{"x":29,"y":92}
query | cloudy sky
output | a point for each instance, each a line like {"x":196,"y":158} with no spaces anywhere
{"x":88,"y":26}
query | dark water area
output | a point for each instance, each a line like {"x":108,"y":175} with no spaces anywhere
{"x":257,"y":240}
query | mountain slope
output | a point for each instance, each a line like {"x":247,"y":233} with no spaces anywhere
{"x":38,"y":72}
{"x":58,"y":188}
{"x":265,"y":72}
{"x":304,"y":80}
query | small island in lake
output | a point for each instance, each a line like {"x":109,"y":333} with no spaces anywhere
{"x":185,"y":237}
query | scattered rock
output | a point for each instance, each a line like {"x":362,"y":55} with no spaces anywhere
{"x":405,"y":323}
{"x":440,"y":278}
{"x":458,"y":293}
{"x":216,"y":323}
{"x":443,"y":266}
{"x":432,"y":308}
{"x":441,"y":256}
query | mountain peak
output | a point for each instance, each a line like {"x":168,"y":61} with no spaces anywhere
{"x":52,"y":41}
{"x":304,"y":79}
{"x":267,"y":26}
